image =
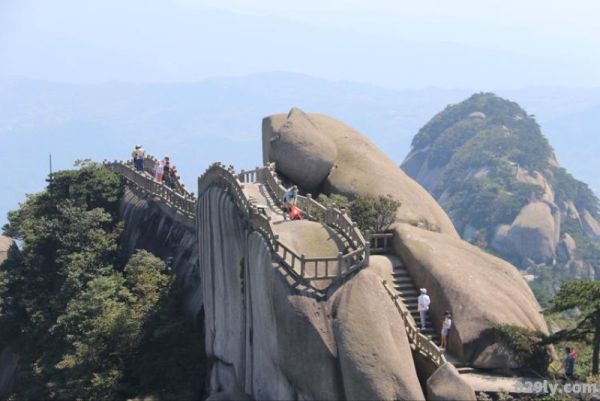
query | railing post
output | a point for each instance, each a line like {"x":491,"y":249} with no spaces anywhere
{"x":302,"y":264}
{"x":367,"y":253}
{"x":340,"y":264}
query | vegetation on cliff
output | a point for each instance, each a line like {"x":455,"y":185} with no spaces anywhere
{"x":86,"y":321}
{"x":485,"y":159}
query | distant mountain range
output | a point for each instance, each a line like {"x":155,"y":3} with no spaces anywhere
{"x":219,"y":120}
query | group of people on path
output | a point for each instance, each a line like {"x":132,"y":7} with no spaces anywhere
{"x":164,"y":171}
{"x":423,"y":303}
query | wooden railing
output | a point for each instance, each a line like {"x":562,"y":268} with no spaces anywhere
{"x":421,"y":343}
{"x":380,"y":243}
{"x":184,"y":204}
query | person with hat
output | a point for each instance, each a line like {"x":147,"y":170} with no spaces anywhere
{"x":423,"y":303}
{"x":446,"y":325}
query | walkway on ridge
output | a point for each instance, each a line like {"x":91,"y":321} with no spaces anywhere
{"x":305,"y":237}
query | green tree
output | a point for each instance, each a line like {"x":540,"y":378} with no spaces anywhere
{"x":371,"y":213}
{"x":374,"y":214}
{"x":583,"y":296}
{"x":88,"y":322}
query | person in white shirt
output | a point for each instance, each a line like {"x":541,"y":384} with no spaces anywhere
{"x":423,"y":303}
{"x":446,"y":325}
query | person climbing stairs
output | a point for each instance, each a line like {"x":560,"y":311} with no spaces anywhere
{"x":408,"y":294}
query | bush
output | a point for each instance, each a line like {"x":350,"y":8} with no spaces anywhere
{"x":374,"y":214}
{"x":527,"y":345}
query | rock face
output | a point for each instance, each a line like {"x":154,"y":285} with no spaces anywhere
{"x":534,"y":233}
{"x":358,"y":166}
{"x":271,"y":341}
{"x":150,"y":226}
{"x":5,"y":247}
{"x":590,"y":225}
{"x":480,"y":290}
{"x":302,"y":149}
{"x":447,"y":385}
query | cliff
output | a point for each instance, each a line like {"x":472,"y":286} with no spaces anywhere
{"x":152,"y":226}
{"x":271,"y":340}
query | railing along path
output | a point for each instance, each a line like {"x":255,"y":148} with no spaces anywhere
{"x":181,"y":202}
{"x":322,"y":268}
{"x":300,"y":267}
{"x":421,"y":343}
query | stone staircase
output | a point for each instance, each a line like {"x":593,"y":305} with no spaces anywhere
{"x":408,"y":294}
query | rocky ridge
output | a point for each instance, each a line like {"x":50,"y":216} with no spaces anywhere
{"x":488,"y":164}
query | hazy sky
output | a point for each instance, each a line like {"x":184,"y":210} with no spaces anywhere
{"x":531,"y":25}
{"x":460,"y":43}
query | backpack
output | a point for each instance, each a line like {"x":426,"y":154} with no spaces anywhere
{"x":295,"y":213}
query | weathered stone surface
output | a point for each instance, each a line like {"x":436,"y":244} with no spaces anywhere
{"x":361,"y":169}
{"x":272,"y":341}
{"x":496,"y":356}
{"x":230,"y":396}
{"x":566,"y":247}
{"x":479,"y":289}
{"x":6,"y":244}
{"x":150,"y":226}
{"x":375,"y":355}
{"x":590,"y":225}
{"x":446,"y":385}
{"x":301,"y":149}
{"x":533,"y":234}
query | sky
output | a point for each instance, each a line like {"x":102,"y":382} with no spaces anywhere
{"x":396,"y":44}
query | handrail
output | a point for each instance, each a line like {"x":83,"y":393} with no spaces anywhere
{"x":380,"y":243}
{"x":299,"y":266}
{"x":150,"y":163}
{"x":314,"y":210}
{"x":422,"y":344}
{"x":182,"y":204}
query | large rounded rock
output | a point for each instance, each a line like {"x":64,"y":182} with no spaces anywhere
{"x":446,"y":385}
{"x":360,"y":168}
{"x":301,"y":149}
{"x":268,"y":339}
{"x":375,"y":355}
{"x":533,"y":234}
{"x":479,"y":289}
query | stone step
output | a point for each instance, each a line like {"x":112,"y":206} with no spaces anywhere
{"x":404,"y":280}
{"x":408,"y":285}
{"x":465,"y":369}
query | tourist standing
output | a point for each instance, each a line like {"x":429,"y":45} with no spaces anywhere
{"x":446,"y":325}
{"x":569,"y":363}
{"x":159,"y":172}
{"x":423,"y":303}
{"x":138,"y":157}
